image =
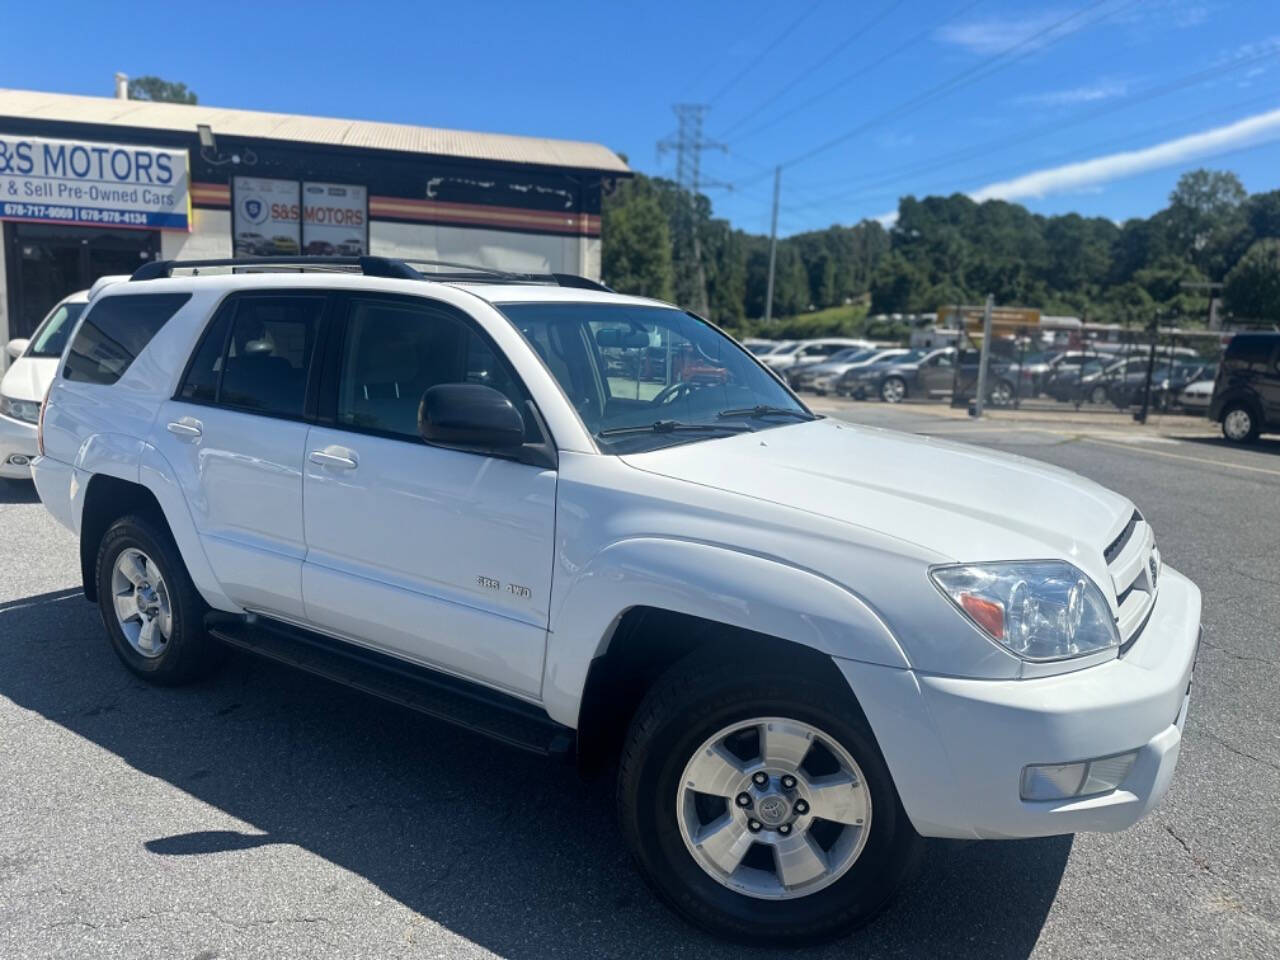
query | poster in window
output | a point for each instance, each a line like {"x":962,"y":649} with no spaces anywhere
{"x":335,"y":220}
{"x":266,"y":217}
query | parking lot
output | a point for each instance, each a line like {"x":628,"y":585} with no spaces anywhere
{"x":269,"y":814}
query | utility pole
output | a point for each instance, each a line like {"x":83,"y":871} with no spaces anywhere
{"x":1213,"y":288}
{"x":986,"y":354}
{"x":773,"y":246}
{"x":688,"y":143}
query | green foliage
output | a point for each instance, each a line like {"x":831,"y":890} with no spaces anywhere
{"x":1253,"y":286}
{"x":154,"y":88}
{"x":947,"y":250}
{"x":636,"y":255}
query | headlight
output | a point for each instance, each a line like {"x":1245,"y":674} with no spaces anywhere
{"x":1039,"y":610}
{"x":28,"y":410}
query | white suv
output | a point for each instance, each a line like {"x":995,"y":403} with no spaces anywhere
{"x":593,"y":526}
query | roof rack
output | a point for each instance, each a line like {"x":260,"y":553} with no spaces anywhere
{"x":372,"y":267}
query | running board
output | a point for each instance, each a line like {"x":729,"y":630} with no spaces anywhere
{"x":460,"y":702}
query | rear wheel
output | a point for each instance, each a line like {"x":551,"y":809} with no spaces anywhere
{"x":893,"y":390}
{"x":152,"y":611}
{"x":1002,"y":394}
{"x":757,"y":804}
{"x":1098,"y":394}
{"x":1239,"y":425}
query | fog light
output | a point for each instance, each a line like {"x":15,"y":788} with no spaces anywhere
{"x":1063,"y":781}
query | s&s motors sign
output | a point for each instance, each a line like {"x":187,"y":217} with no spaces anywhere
{"x":97,"y":184}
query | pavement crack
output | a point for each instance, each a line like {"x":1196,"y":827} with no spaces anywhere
{"x":1241,"y":753}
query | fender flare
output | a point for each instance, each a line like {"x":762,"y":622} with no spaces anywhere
{"x":762,"y":594}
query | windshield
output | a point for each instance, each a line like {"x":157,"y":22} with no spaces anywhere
{"x":759,"y":349}
{"x":851,"y":355}
{"x":643,"y":377}
{"x":51,"y":336}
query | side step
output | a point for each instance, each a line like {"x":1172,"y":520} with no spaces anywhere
{"x":469,"y":705}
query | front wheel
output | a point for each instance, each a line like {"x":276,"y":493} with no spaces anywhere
{"x":1098,"y":394}
{"x":893,"y":390}
{"x":1239,"y":425}
{"x":1002,"y":394}
{"x":758,"y":805}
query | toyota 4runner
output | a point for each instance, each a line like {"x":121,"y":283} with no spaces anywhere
{"x":593,"y":526}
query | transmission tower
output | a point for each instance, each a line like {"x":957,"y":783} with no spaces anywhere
{"x":688,"y":143}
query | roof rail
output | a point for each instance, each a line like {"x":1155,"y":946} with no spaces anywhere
{"x":369,"y":266}
{"x":373,"y":267}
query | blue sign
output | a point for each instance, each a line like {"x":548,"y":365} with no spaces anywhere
{"x":96,"y":184}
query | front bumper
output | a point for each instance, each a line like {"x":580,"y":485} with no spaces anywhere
{"x":956,"y":747}
{"x":17,"y":439}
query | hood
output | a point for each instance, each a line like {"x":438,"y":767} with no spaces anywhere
{"x":29,"y":378}
{"x":960,"y":502}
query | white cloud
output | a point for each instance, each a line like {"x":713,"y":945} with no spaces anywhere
{"x":1090,"y":93}
{"x":996,"y":34}
{"x":1260,"y":128}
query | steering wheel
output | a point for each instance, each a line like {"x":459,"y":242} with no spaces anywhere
{"x":673,"y":392}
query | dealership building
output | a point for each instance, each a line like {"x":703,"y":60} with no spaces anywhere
{"x":91,"y":186}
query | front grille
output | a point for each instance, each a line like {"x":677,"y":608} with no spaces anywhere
{"x":1117,"y":545}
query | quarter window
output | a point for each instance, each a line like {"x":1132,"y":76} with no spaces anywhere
{"x":115,"y":331}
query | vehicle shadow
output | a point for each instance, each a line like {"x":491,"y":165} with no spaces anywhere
{"x":18,"y":491}
{"x":482,"y":839}
{"x":1267,"y":443}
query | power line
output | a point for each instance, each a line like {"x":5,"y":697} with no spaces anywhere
{"x":963,"y":78}
{"x":861,"y":71}
{"x":812,"y":68}
{"x":763,"y":53}
{"x":904,"y":173}
{"x":980,"y":178}
{"x":688,"y":143}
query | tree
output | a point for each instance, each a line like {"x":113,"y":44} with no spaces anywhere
{"x":1205,"y":210}
{"x":1252,"y":290}
{"x":154,"y":88}
{"x":636,"y":256}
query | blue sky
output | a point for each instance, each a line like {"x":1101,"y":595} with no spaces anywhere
{"x":861,"y":101}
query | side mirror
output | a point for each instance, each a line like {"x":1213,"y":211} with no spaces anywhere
{"x":470,"y":415}
{"x":17,"y":346}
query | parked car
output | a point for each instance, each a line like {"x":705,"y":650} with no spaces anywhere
{"x":319,"y":248}
{"x":804,"y":643}
{"x":1195,"y":397}
{"x":1246,"y":393}
{"x":283,"y":245}
{"x":799,"y":376}
{"x":250,"y":244}
{"x":808,"y":351}
{"x":757,"y":346}
{"x":350,"y":247}
{"x":25,"y":383}
{"x":1167,"y":381}
{"x":824,"y":378}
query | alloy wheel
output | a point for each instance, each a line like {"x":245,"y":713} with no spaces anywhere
{"x":1237,"y":424}
{"x":141,"y":602}
{"x":773,"y":808}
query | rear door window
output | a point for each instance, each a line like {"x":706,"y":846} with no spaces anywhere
{"x":256,"y":354}
{"x":115,"y":330}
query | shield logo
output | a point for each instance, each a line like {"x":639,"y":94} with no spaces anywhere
{"x":255,"y":210}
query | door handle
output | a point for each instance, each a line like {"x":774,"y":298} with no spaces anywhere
{"x":186,"y":427}
{"x":339,"y":458}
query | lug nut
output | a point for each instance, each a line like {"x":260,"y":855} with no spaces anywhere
{"x":784,"y":829}
{"x":788,"y":782}
{"x":743,"y":800}
{"x":753,"y":826}
{"x":801,"y":807}
{"x":760,"y":779}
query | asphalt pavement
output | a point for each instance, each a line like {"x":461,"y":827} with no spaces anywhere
{"x":264,"y":813}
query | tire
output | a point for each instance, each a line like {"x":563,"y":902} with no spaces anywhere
{"x":893,"y":390}
{"x":1098,"y":394}
{"x":1002,"y":394}
{"x":1240,"y":423}
{"x":698,"y":700}
{"x":186,"y":652}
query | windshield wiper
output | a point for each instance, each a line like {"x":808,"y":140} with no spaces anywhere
{"x":764,"y":410}
{"x":671,"y":426}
